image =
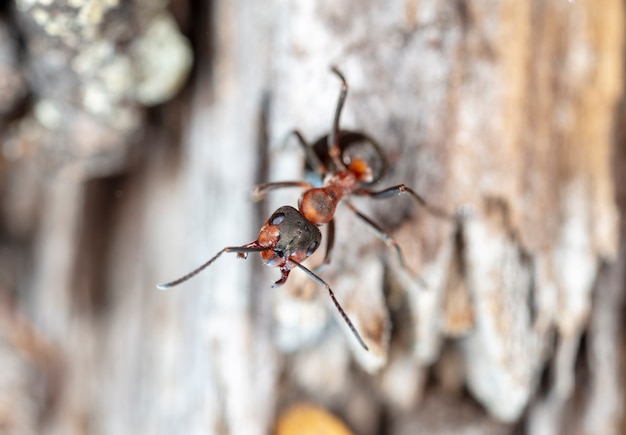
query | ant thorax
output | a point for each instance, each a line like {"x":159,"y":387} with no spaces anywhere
{"x":318,"y":204}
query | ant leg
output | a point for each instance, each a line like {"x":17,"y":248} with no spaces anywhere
{"x":401,"y":188}
{"x":332,"y":296}
{"x":311,"y":157}
{"x":260,"y":189}
{"x":330,"y":242}
{"x":382,"y":234}
{"x":333,"y":137}
{"x":386,"y":238}
{"x":251,"y":247}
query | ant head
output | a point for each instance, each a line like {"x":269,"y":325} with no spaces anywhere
{"x":290,"y":235}
{"x":359,"y":152}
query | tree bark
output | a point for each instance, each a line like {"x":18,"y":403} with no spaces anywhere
{"x":113,"y":179}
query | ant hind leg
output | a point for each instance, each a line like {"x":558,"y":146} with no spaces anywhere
{"x":312,"y":158}
{"x":260,"y":190}
{"x":333,"y":137}
{"x":401,"y":188}
{"x":389,"y":240}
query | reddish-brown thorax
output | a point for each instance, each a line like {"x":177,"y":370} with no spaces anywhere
{"x":318,"y":204}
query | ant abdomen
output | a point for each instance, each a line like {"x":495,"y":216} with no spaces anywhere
{"x":354,"y":147}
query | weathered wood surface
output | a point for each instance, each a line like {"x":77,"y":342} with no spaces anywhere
{"x":505,"y":112}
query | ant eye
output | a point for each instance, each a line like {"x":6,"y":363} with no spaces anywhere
{"x":277,"y":219}
{"x":312,"y":247}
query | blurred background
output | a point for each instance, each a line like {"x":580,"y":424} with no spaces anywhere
{"x":132,"y":133}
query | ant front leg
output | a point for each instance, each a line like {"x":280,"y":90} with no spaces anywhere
{"x":401,"y":188}
{"x":261,"y":189}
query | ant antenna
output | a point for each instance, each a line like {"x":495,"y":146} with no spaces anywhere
{"x":320,"y":281}
{"x":238,"y":249}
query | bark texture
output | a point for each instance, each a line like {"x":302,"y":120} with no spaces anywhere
{"x":114,"y":177}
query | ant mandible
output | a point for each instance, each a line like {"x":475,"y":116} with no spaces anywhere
{"x":290,"y":236}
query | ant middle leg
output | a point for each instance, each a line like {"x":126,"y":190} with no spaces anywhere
{"x":330,"y":244}
{"x":401,"y":188}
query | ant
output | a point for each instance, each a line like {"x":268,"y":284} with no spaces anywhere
{"x":345,"y":163}
{"x":290,"y":236}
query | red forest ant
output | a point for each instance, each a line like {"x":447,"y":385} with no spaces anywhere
{"x":290,"y":236}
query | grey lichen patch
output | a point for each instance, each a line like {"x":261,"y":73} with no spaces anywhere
{"x":92,"y":12}
{"x":108,"y":85}
{"x":54,"y":23}
{"x":162,"y":59}
{"x":152,"y":71}
{"x":114,"y":69}
{"x":24,"y":5}
{"x":41,"y":16}
{"x":79,"y":23}
{"x":96,"y":100}
{"x":92,"y":57}
{"x":110,"y":77}
{"x":48,"y":114}
{"x":118,"y":113}
{"x":101,"y":100}
{"x":96,"y":95}
{"x":95,"y":77}
{"x":117,"y":76}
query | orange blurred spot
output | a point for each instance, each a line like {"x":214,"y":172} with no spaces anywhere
{"x":304,"y":419}
{"x":360,"y":168}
